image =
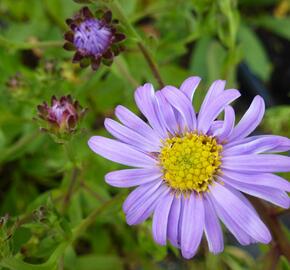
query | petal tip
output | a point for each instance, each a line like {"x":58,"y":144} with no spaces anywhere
{"x":92,"y":142}
{"x":187,"y":254}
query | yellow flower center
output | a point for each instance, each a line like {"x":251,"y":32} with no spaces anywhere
{"x":190,"y":162}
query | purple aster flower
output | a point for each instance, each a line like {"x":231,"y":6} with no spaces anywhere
{"x":192,"y":170}
{"x":94,"y":40}
{"x":62,"y":116}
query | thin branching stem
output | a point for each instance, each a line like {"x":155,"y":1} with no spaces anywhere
{"x":119,"y":13}
{"x":91,"y":218}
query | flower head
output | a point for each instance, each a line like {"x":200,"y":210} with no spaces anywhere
{"x":62,"y":116}
{"x":94,"y":40}
{"x":191,"y":169}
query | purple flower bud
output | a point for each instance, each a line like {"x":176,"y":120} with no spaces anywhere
{"x":62,"y":116}
{"x":95,"y":40}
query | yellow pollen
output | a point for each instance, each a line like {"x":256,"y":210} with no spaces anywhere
{"x":190,"y":162}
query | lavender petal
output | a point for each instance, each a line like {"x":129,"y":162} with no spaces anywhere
{"x":130,"y":137}
{"x":192,"y":225}
{"x":133,"y":122}
{"x":212,"y":228}
{"x":250,"y":120}
{"x":189,"y":86}
{"x":146,"y":208}
{"x":270,"y":194}
{"x":260,"y":179}
{"x":228,"y":124}
{"x":256,"y":163}
{"x":139,"y":195}
{"x":146,"y":102}
{"x":217,"y":105}
{"x":120,"y":152}
{"x":182,"y":104}
{"x":174,"y":221}
{"x":132,"y":177}
{"x":160,"y":219}
{"x":166,"y":113}
{"x":259,"y":145}
{"x":215,"y":90}
{"x":243,"y":215}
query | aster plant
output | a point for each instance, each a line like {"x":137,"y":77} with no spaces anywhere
{"x":192,"y":169}
{"x":61,"y":117}
{"x":95,"y":40}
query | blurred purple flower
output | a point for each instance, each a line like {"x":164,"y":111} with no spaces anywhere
{"x":192,"y":169}
{"x":95,"y":40}
{"x":62,"y":116}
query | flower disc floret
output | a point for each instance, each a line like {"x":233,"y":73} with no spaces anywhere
{"x":190,"y":162}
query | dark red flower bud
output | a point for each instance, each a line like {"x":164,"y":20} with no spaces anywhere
{"x":61,"y":117}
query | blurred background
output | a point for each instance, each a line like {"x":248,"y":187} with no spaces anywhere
{"x":48,"y":190}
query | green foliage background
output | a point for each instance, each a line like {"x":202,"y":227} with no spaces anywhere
{"x":57,"y":211}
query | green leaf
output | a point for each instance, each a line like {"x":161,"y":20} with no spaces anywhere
{"x":240,"y":254}
{"x":284,"y":263}
{"x":216,"y":56}
{"x":16,"y":264}
{"x":51,"y":264}
{"x":20,"y":236}
{"x":280,"y":26}
{"x":197,"y":61}
{"x":276,"y":120}
{"x":232,"y":263}
{"x":254,"y":53}
{"x":213,"y":261}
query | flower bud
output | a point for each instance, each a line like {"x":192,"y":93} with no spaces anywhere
{"x":62,"y":117}
{"x":95,"y":40}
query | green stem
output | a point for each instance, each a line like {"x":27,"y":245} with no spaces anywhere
{"x":70,"y":189}
{"x":125,"y":72}
{"x":92,"y":192}
{"x":28,"y":45}
{"x":119,"y":13}
{"x":91,"y":218}
{"x":117,"y":10}
{"x":152,"y":64}
{"x":70,"y":153}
